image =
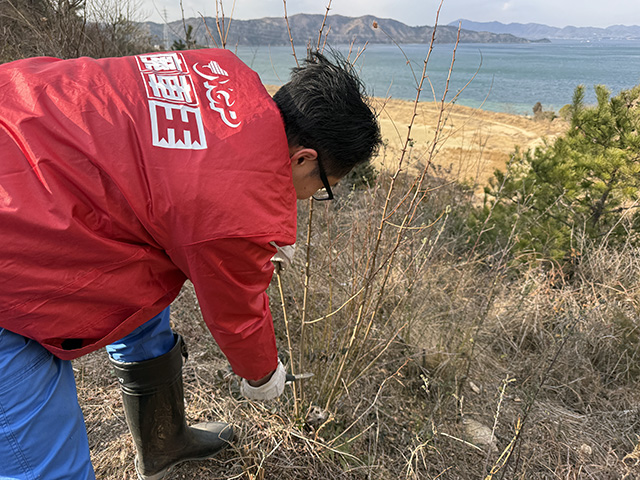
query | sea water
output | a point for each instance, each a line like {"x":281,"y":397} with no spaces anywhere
{"x":509,"y":78}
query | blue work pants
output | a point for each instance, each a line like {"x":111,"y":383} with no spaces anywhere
{"x":42,"y":431}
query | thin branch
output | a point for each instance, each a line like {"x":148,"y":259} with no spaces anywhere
{"x":215,"y":42}
{"x":328,"y":315}
{"x":324,"y":21}
{"x":233,"y":8}
{"x":220,"y":8}
{"x":184,"y":23}
{"x":415,"y":201}
{"x":377,"y":26}
{"x":368,"y":409}
{"x":286,"y":325}
{"x":545,"y":378}
{"x":371,"y":267}
{"x":307,"y":281}
{"x":286,"y":19}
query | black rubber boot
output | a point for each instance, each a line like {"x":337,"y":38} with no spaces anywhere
{"x":154,"y":407}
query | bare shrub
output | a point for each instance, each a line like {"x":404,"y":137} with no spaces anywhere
{"x":69,"y":28}
{"x":431,"y":361}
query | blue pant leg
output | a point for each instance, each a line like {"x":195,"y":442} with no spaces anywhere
{"x":149,"y":340}
{"x":42,"y":431}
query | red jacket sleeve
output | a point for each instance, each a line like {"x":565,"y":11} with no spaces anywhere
{"x":230,"y":276}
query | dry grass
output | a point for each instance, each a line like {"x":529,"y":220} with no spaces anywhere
{"x":430,"y":362}
{"x":482,"y":348}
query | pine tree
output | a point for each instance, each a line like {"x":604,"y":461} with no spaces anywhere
{"x":584,"y":185}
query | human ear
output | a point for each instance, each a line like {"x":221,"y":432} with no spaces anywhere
{"x":299,"y":155}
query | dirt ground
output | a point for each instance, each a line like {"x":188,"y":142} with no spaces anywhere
{"x":472,"y":143}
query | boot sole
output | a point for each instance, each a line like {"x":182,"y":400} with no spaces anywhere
{"x":161,"y":474}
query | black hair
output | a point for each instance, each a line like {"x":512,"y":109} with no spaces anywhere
{"x":324,"y":107}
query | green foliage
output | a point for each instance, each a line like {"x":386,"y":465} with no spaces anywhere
{"x":565,"y":113}
{"x":583,"y":186}
{"x":178,"y":45}
{"x":363,"y":175}
{"x":189,"y":41}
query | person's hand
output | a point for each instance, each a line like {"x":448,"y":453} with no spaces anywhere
{"x":268,"y":390}
{"x":283,"y":257}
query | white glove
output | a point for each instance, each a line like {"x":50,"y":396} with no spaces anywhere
{"x":270,"y":390}
{"x":283,"y":256}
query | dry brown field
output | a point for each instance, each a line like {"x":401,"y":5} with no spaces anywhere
{"x":472,"y":143}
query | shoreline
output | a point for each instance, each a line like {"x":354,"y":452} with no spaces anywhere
{"x":472,"y":142}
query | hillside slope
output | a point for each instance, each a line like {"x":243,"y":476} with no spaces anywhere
{"x":305,"y":28}
{"x":537,"y":30}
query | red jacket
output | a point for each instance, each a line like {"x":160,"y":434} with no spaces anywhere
{"x":121,"y":178}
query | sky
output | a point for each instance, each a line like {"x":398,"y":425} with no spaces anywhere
{"x":557,"y":13}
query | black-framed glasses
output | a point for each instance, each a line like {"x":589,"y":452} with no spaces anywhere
{"x":325,"y":193}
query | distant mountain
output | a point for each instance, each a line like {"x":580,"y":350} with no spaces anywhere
{"x":305,"y":28}
{"x":537,"y":30}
